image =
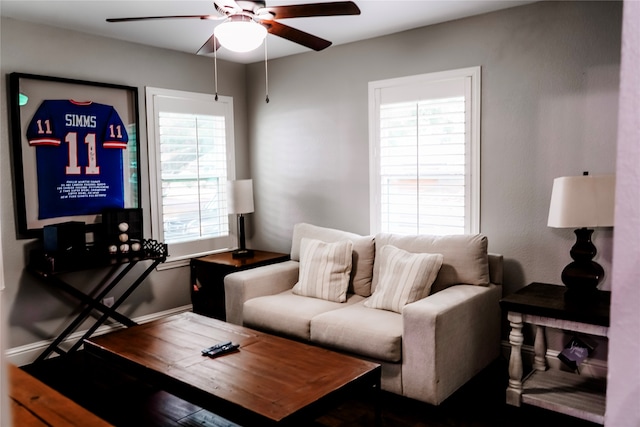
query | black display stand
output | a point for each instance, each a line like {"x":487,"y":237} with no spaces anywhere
{"x":48,"y":267}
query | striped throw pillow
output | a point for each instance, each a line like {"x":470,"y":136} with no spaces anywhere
{"x":405,"y":277}
{"x":325,"y":269}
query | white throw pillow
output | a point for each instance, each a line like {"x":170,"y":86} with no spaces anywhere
{"x":465,"y":257}
{"x":363,"y":253}
{"x":325,"y":269}
{"x":405,"y":277}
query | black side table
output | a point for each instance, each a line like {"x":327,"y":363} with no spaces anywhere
{"x":545,"y":305}
{"x":207,"y":278}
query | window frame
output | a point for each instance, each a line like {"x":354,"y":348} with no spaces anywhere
{"x":472,"y":161}
{"x":200,"y":246}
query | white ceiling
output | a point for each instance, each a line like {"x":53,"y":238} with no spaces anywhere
{"x":378,"y":18}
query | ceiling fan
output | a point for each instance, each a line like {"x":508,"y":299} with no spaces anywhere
{"x":255,"y":17}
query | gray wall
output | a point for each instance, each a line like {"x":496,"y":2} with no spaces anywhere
{"x":34,"y":312}
{"x":549,"y":108}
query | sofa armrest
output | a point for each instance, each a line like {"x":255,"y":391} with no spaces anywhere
{"x":267,"y":280}
{"x":448,"y":338}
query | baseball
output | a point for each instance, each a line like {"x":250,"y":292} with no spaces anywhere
{"x":135,"y":247}
{"x":124,"y":237}
{"x":124,"y":248}
{"x":113,"y":249}
{"x":123,"y":226}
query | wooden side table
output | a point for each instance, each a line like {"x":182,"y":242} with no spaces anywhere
{"x":207,"y":278}
{"x":545,"y":305}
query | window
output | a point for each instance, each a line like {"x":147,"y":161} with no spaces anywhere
{"x":191,"y":159}
{"x":425,"y":153}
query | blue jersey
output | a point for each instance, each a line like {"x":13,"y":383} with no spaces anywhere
{"x":79,"y":157}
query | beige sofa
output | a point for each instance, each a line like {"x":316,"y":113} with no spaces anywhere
{"x":427,"y":349}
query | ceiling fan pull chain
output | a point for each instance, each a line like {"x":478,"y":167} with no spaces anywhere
{"x":266,"y":72}
{"x":215,"y":68}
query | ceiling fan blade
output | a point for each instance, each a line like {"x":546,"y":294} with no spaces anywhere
{"x":313,"y":9}
{"x":227,"y":4}
{"x":145,"y":18}
{"x":296,"y":36}
{"x":210,"y":46}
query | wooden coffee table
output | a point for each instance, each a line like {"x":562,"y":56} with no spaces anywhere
{"x":270,"y":380}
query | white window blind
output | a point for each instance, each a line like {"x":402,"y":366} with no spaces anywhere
{"x":425,"y":154}
{"x":191,"y":154}
{"x":193,"y":168}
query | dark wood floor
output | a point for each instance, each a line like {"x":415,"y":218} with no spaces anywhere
{"x":125,"y":401}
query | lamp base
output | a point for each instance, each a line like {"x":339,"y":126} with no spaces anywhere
{"x":242,"y":253}
{"x":583,"y":275}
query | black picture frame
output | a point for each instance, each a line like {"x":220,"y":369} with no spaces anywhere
{"x":26,"y":93}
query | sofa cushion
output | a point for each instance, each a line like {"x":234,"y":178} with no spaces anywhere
{"x":404,"y":278}
{"x":360,"y":330}
{"x":288,"y":314}
{"x":465,"y":258}
{"x":363,"y":253}
{"x":324,"y":269}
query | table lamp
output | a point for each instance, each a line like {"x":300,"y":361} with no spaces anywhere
{"x":240,"y":202}
{"x":582,"y":202}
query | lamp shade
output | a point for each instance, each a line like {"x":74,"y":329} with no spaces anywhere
{"x":582,"y":201}
{"x":240,"y":196}
{"x":240,"y":33}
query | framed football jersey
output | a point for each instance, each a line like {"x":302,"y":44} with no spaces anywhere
{"x":75,"y":150}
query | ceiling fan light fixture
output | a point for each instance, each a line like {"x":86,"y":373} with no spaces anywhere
{"x":240,"y":33}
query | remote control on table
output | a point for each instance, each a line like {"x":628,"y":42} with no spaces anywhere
{"x":228,"y":348}
{"x":206,"y":351}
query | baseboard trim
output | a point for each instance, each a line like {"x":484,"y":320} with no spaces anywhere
{"x":26,"y":354}
{"x":590,"y":367}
